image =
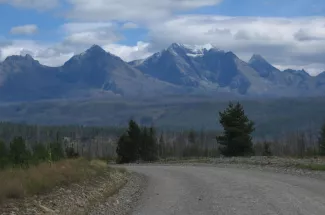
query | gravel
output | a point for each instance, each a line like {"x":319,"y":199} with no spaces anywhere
{"x":120,"y":193}
{"x":122,"y":202}
{"x":209,"y":189}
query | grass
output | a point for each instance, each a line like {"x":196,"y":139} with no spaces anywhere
{"x":19,"y":183}
{"x":314,"y":167}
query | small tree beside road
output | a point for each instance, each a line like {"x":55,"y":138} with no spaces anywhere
{"x":236,"y":139}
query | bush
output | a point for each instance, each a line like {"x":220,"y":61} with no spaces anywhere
{"x":71,"y":153}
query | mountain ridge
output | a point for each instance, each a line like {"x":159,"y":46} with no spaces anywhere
{"x":178,"y":69}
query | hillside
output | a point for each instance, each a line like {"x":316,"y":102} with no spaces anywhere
{"x":272,"y":116}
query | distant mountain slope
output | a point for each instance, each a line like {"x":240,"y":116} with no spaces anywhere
{"x":23,"y":78}
{"x":91,"y":73}
{"x":212,"y":69}
{"x":178,"y":69}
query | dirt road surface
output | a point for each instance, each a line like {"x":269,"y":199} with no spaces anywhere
{"x":209,"y":190}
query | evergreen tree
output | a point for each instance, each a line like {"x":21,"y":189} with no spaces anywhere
{"x":192,"y":137}
{"x":19,"y":154}
{"x":152,"y":146}
{"x":124,"y":150}
{"x":193,"y":148}
{"x":40,"y":153}
{"x":321,"y":141}
{"x":236,"y":139}
{"x":4,"y":155}
{"x":56,"y":151}
{"x":161,"y":146}
{"x":128,"y":144}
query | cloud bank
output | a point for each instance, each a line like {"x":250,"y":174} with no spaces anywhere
{"x":285,"y":42}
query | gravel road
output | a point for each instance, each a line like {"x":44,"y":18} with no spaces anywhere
{"x":198,"y":190}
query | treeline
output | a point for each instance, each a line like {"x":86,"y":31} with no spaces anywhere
{"x":148,"y":143}
{"x":37,"y":133}
{"x":235,"y":140}
{"x":18,"y":154}
{"x":101,"y":142}
{"x":143,"y":144}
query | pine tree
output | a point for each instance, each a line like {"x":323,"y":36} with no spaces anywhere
{"x":56,"y":151}
{"x":19,"y":154}
{"x":40,"y":153}
{"x":152,"y":145}
{"x":161,"y":146}
{"x":236,"y":139}
{"x":321,"y":141}
{"x":128,"y":144}
{"x":4,"y":155}
{"x":144,"y":145}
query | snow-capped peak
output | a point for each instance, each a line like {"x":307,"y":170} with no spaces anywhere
{"x":190,"y":50}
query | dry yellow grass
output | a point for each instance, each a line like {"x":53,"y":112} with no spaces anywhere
{"x":18,"y":183}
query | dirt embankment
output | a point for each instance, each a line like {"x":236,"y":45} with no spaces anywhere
{"x":67,"y":187}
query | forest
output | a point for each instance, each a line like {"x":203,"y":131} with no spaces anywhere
{"x":102,"y":142}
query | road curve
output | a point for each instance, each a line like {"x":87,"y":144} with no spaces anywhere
{"x":208,"y":190}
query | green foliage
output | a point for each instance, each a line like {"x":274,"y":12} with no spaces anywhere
{"x":56,"y":151}
{"x":236,"y":139}
{"x":40,"y":153}
{"x":71,"y":153}
{"x":126,"y":150}
{"x":19,"y":154}
{"x":128,"y":144}
{"x":137,"y":143}
{"x":321,"y":140}
{"x":148,"y":148}
{"x":4,"y":155}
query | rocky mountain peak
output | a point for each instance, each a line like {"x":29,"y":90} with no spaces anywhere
{"x":257,"y":58}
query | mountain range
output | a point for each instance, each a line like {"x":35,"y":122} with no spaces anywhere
{"x":177,"y":70}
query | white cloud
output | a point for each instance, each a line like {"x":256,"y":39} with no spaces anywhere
{"x":79,"y":27}
{"x":24,"y":29}
{"x":58,"y":54}
{"x":35,"y":4}
{"x":47,"y":54}
{"x":282,"y":41}
{"x":285,"y":42}
{"x":127,"y":10}
{"x":129,"y":53}
{"x":89,"y":33}
{"x":130,"y":25}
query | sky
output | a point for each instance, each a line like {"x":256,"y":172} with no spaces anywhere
{"x":287,"y":33}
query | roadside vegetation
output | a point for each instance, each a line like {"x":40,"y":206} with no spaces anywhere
{"x":236,"y":140}
{"x":41,"y":178}
{"x":34,"y":159}
{"x":27,"y":170}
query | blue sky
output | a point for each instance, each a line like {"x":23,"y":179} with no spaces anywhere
{"x":54,"y":30}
